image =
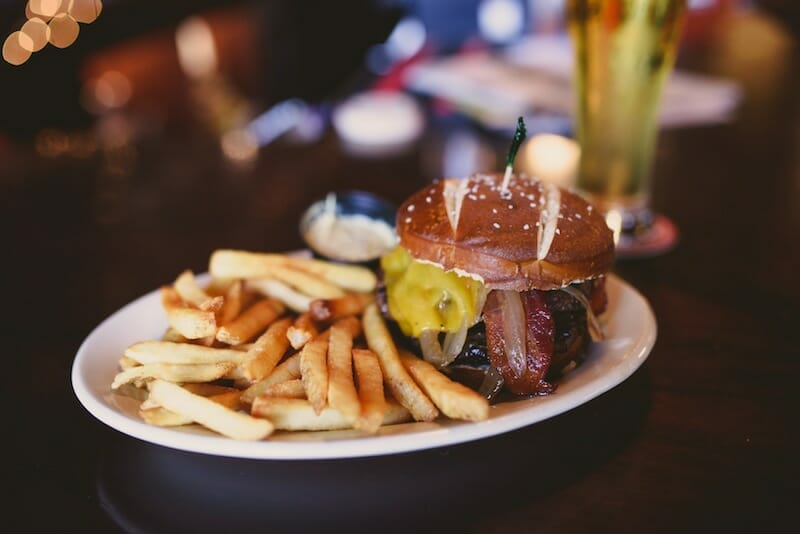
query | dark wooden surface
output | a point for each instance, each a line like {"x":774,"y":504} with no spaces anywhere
{"x":703,"y":437}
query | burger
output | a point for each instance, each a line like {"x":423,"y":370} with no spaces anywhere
{"x":504,"y":278}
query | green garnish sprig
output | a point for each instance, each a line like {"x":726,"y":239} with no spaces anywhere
{"x":519,"y":136}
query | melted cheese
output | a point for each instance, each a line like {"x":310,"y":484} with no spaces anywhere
{"x":423,"y":296}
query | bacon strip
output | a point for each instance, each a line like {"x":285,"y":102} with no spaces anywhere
{"x":539,"y":343}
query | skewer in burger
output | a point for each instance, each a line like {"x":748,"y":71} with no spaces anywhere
{"x":501,"y":274}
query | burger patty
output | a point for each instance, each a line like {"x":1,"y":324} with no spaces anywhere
{"x":561,"y":301}
{"x":571,"y":330}
{"x":571,"y":340}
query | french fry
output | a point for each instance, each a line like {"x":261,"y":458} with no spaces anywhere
{"x":232,"y":305}
{"x":268,"y":287}
{"x":229,"y":399}
{"x":255,"y":390}
{"x":172,"y":335}
{"x":314,"y":371}
{"x":149,"y":404}
{"x":455,"y":400}
{"x":140,"y":382}
{"x":250,"y":322}
{"x":213,"y":304}
{"x":127,"y":363}
{"x":188,"y":322}
{"x":208,"y":341}
{"x":221,"y":394}
{"x":289,"y":369}
{"x":208,"y":413}
{"x":208,"y":390}
{"x":249,"y":265}
{"x":267,"y":351}
{"x":400,"y":383}
{"x":298,"y":414}
{"x":302,"y":331}
{"x":249,"y":296}
{"x":218,"y":287}
{"x":188,"y":289}
{"x":312,"y":285}
{"x":173,"y":372}
{"x":370,"y":390}
{"x":241,"y":264}
{"x":160,"y":416}
{"x":351,"y":324}
{"x":132,"y":391}
{"x":327,"y":384}
{"x":322,"y":310}
{"x":146,"y":352}
{"x":288,"y":389}
{"x":350,"y":277}
{"x":342,"y":394}
{"x":237,"y":376}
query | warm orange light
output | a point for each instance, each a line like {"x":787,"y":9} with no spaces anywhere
{"x":51,"y":143}
{"x":551,"y":158}
{"x":53,"y":21}
{"x":239,"y":146}
{"x":614,"y":222}
{"x":30,"y":14}
{"x":48,"y":8}
{"x":197,"y":50}
{"x":63,"y":30}
{"x":112,"y":89}
{"x":85,"y":11}
{"x":16,"y":49}
{"x":38,"y":32}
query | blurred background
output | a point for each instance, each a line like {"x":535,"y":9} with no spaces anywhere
{"x":121,"y":122}
{"x":80,"y":74}
{"x":76,"y":72}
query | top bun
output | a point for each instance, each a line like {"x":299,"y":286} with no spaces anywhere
{"x":495,"y":236}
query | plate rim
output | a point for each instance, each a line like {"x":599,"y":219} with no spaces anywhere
{"x":367,"y":446}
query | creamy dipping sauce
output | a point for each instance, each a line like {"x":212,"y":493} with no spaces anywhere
{"x":344,"y":237}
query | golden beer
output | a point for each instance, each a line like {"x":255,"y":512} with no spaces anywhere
{"x":624,"y":50}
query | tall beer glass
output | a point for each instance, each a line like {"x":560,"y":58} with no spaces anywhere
{"x":624,"y":49}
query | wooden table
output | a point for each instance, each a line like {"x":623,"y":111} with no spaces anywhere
{"x":703,"y":436}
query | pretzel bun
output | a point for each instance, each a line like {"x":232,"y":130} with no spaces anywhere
{"x":474,"y":228}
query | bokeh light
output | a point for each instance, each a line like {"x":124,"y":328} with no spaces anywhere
{"x":501,"y":21}
{"x":38,"y":31}
{"x":85,"y":11}
{"x":31,"y":15}
{"x":197,"y":50}
{"x":51,"y":143}
{"x":239,"y":146}
{"x":53,"y":21}
{"x":614,"y":222}
{"x":551,"y":158}
{"x":17,"y":48}
{"x":63,"y":30}
{"x":48,"y":8}
{"x":111,"y":90}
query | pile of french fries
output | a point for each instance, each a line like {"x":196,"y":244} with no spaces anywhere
{"x":276,"y":342}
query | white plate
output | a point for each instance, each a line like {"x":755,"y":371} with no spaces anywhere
{"x":630,"y":327}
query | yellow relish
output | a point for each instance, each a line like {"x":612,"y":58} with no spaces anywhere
{"x":424,"y":296}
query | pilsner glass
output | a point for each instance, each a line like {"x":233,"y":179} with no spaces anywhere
{"x":624,"y":49}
